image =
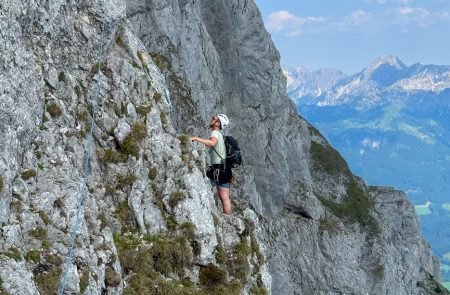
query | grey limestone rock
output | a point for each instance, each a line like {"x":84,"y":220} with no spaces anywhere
{"x":167,"y":67}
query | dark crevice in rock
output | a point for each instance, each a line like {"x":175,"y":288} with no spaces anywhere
{"x":297,"y":211}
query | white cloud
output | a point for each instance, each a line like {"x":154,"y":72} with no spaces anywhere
{"x":358,"y":17}
{"x":401,"y":19}
{"x":290,"y":25}
{"x":411,"y":15}
{"x":412,"y":12}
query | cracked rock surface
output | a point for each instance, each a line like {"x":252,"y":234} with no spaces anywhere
{"x":149,"y":220}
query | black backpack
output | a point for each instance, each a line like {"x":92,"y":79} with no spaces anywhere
{"x":234,"y":158}
{"x":233,"y":153}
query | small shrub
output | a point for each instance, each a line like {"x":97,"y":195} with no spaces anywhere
{"x":103,"y":220}
{"x":159,"y":60}
{"x":196,"y":247}
{"x":54,"y":259}
{"x":171,"y":222}
{"x":167,"y":256}
{"x":18,"y":197}
{"x":157,"y":97}
{"x":176,"y":197}
{"x":58,"y":203}
{"x":239,"y":265}
{"x":242,"y":249}
{"x":2,"y":291}
{"x":48,"y":282}
{"x":111,"y":156}
{"x":82,"y":115}
{"x":150,"y":282}
{"x":188,"y":230}
{"x":171,"y":256}
{"x":256,"y":251}
{"x":39,"y":233}
{"x":124,"y":181}
{"x":14,"y":253}
{"x":183,"y":138}
{"x":130,"y":144}
{"x":46,"y":244}
{"x":143,"y":110}
{"x":123,"y":212}
{"x":33,"y":255}
{"x":27,"y":174}
{"x":258,"y":291}
{"x":139,"y":131}
{"x":54,"y":110}
{"x":158,"y":201}
{"x":1,"y":183}
{"x":84,"y":280}
{"x":16,"y":205}
{"x":153,"y":172}
{"x":211,"y":276}
{"x":233,"y":288}
{"x":44,"y":217}
{"x":163,"y":118}
{"x":221,"y":255}
{"x":112,"y":278}
{"x":121,"y":42}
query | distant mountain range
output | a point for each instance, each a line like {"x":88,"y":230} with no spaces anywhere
{"x":391,"y":122}
{"x":388,"y":109}
{"x":384,"y":79}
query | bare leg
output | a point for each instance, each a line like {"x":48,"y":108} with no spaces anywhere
{"x":225,"y":199}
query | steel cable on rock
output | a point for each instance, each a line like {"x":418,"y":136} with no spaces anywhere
{"x":87,"y":156}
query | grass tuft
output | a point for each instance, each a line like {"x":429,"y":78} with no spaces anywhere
{"x":130,"y":145}
{"x":27,"y":174}
{"x":211,"y":276}
{"x":33,"y":255}
{"x":143,"y":110}
{"x":176,"y":197}
{"x":152,"y":173}
{"x":54,"y":110}
{"x":14,"y":253}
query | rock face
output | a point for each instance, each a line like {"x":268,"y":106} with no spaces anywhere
{"x":303,"y":224}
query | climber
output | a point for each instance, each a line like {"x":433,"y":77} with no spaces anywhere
{"x":220,"y":175}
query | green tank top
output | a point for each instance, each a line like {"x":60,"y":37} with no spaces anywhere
{"x":219,"y":147}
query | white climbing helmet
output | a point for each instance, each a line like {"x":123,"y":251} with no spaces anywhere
{"x":223,"y":120}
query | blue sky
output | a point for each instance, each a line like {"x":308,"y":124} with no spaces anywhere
{"x":348,"y":34}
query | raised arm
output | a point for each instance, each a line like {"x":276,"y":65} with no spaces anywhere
{"x":208,"y":142}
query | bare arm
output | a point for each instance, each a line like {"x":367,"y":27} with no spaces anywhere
{"x":208,"y":142}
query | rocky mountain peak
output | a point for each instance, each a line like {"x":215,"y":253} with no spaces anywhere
{"x":385,"y":60}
